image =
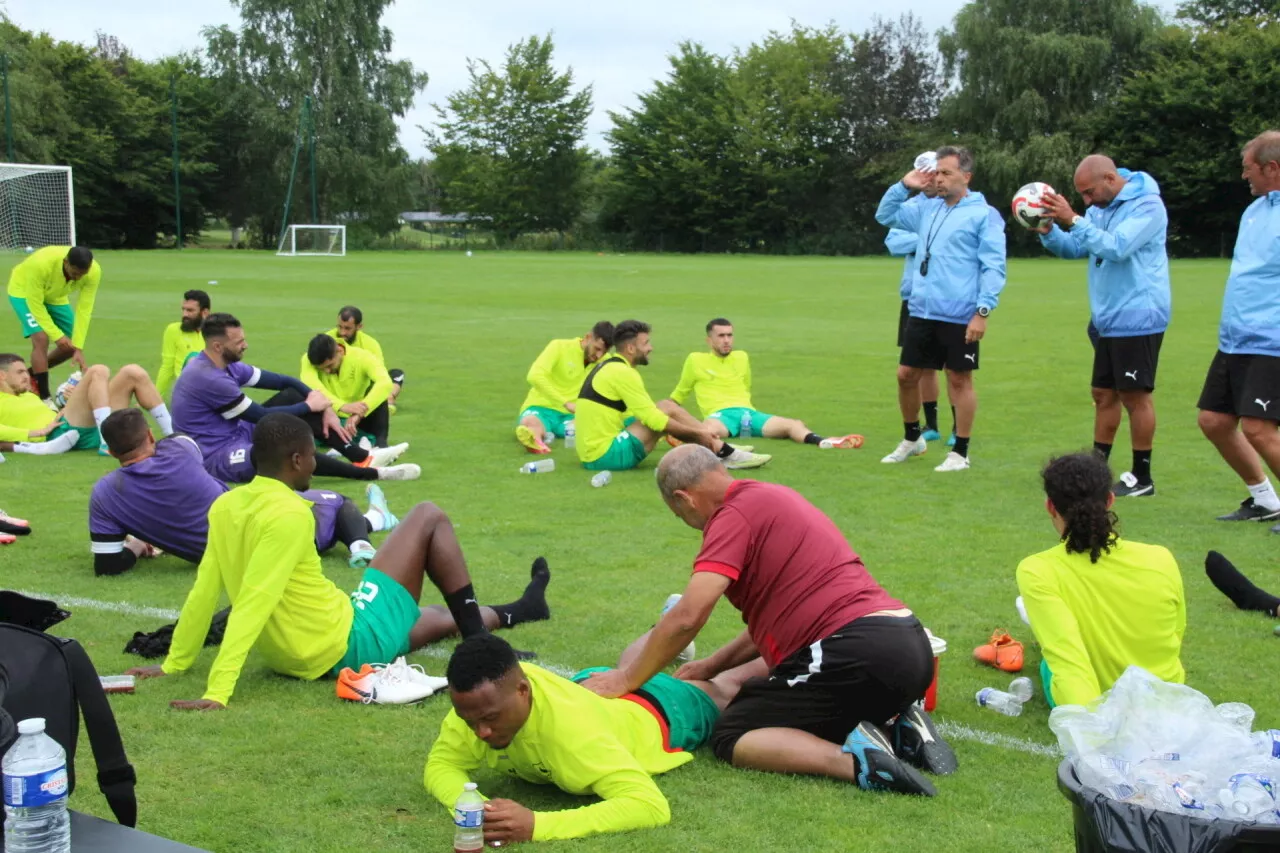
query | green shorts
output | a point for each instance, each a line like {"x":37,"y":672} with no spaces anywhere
{"x":90,"y":438}
{"x":64,"y":317}
{"x":690,"y":713}
{"x":385,"y":614}
{"x":624,"y":453}
{"x":552,"y":421}
{"x":732,"y":420}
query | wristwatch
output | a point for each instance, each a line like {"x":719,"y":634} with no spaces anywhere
{"x":983,"y":311}
{"x":1076,"y":220}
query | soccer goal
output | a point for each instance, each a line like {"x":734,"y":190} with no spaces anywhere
{"x":312,"y":240}
{"x":37,"y":206}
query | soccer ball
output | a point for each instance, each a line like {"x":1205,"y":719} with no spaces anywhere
{"x":29,"y":250}
{"x":1028,"y":204}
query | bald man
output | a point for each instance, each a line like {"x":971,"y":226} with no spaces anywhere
{"x":837,"y":657}
{"x":1122,"y":233}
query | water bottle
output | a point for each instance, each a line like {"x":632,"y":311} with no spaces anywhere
{"x":542,"y":466}
{"x":1248,"y":795}
{"x":1023,"y":689}
{"x":1268,"y":743}
{"x":744,"y":425}
{"x":570,"y":434}
{"x":64,"y":390}
{"x":999,"y":701}
{"x":548,"y":438}
{"x":468,"y":821}
{"x":35,"y":793}
{"x":602,"y":479}
{"x":671,"y":602}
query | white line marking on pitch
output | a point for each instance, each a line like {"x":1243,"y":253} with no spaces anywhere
{"x":109,"y":606}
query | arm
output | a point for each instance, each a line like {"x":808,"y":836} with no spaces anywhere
{"x":452,"y":760}
{"x":1137,"y":229}
{"x":991,"y":257}
{"x":277,"y":382}
{"x":197,"y":612}
{"x":380,"y":390}
{"x":630,"y":389}
{"x":677,"y":628}
{"x":631,"y":798}
{"x":1056,"y":629}
{"x":736,"y":652}
{"x":308,"y":376}
{"x":687,"y":380}
{"x":539,"y":375}
{"x":170,"y":361}
{"x":901,"y":243}
{"x":257,"y":411}
{"x":1064,"y":244}
{"x":84,"y":306}
{"x":374,"y":348}
{"x":894,"y":212}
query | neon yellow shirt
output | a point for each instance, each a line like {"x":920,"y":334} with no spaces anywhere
{"x":718,"y":382}
{"x":598,"y":425}
{"x":1093,"y":620}
{"x":175,"y":346}
{"x":39,"y":280}
{"x":556,"y":375}
{"x":262,"y":552}
{"x":21,"y":413}
{"x":579,"y":742}
{"x":362,"y":341}
{"x":360,"y":378}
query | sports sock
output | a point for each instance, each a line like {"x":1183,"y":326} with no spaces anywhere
{"x":911,"y":430}
{"x":1102,"y":449}
{"x":813,"y":438}
{"x":931,"y":415}
{"x":42,"y":384}
{"x":327,"y":466}
{"x":466,"y":612}
{"x":1264,"y":495}
{"x":1235,"y":586}
{"x":360,"y":545}
{"x":532,"y":606}
{"x":100,"y":415}
{"x":962,"y":446}
{"x":53,"y":446}
{"x":726,"y":451}
{"x":377,"y":521}
{"x":1141,"y":466}
{"x":161,"y":414}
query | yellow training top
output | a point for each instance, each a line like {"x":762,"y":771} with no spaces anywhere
{"x":362,"y":341}
{"x":718,"y":382}
{"x":175,"y":348}
{"x":599,"y":423}
{"x":21,"y":413}
{"x":39,"y":280}
{"x":556,"y":375}
{"x":361,"y":378}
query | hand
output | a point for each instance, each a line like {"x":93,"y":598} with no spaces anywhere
{"x":917,"y":180}
{"x":571,"y":406}
{"x":329,"y":423}
{"x":78,"y":358}
{"x":1059,"y":209}
{"x":45,"y":430}
{"x":196,"y":705}
{"x":976,"y":329}
{"x":154,"y":671}
{"x":507,"y":822}
{"x":609,"y":684}
{"x":318,"y":402}
{"x":357,"y":408}
{"x":140,"y":549}
{"x":697,"y":670}
{"x":353,"y":422}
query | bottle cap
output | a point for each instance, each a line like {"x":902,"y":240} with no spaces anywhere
{"x":35,"y":725}
{"x":470,"y":786}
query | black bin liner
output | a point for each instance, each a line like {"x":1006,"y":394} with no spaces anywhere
{"x":1103,"y":825}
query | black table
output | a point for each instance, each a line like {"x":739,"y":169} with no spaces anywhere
{"x":91,"y":834}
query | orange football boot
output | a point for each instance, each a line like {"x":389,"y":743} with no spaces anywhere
{"x":1003,"y":652}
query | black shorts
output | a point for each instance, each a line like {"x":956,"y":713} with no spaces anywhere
{"x":903,"y":316}
{"x":1127,"y":364}
{"x":1247,"y":386}
{"x":935,"y":344}
{"x":871,"y":669}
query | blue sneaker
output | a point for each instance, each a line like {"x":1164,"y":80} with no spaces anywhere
{"x":931,"y":435}
{"x":951,"y":442}
{"x":362,"y":555}
{"x":878,"y":769}
{"x":377,"y":500}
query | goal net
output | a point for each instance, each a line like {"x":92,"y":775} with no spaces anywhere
{"x":37,"y":206}
{"x":300,"y":240}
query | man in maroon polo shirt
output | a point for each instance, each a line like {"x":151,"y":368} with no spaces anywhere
{"x":838,"y":658}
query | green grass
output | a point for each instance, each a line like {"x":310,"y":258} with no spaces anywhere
{"x":289,"y":767}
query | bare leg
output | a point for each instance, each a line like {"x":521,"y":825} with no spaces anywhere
{"x":132,"y":382}
{"x":716,"y":428}
{"x":1264,"y":438}
{"x":436,"y":623}
{"x":1142,"y":418}
{"x":791,"y":428}
{"x":792,"y":751}
{"x":722,"y":688}
{"x":909,"y":392}
{"x":40,"y":353}
{"x":92,"y":393}
{"x":963,"y":396}
{"x":1221,"y":430}
{"x":928,"y":386}
{"x":1107,"y":415}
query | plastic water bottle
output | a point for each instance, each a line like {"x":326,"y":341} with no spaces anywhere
{"x":548,"y":438}
{"x":35,"y":793}
{"x":64,"y":390}
{"x":468,"y":821}
{"x":744,"y":426}
{"x":570,"y":434}
{"x":1023,"y":689}
{"x":542,"y":466}
{"x":999,"y":701}
{"x":1268,"y":743}
{"x":1249,"y":795}
{"x":602,"y":479}
{"x":671,"y":602}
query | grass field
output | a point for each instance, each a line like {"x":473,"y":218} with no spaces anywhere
{"x":290,"y":768}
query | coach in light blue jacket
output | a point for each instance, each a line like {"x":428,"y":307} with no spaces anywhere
{"x":1122,"y":233}
{"x":959,"y":273}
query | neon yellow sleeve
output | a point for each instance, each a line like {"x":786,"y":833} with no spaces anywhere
{"x":374,"y":348}
{"x":453,"y":758}
{"x":630,"y":388}
{"x":310,"y":377}
{"x":631,"y":798}
{"x":746,"y":371}
{"x":197,"y":611}
{"x":687,"y":380}
{"x":84,"y":305}
{"x":382,"y":384}
{"x":170,"y":359}
{"x":539,"y":375}
{"x":12,"y":433}
{"x":25,"y":283}
{"x":1075,"y":681}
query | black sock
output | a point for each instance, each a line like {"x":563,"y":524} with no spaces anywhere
{"x":327,"y":466}
{"x":42,"y":384}
{"x":1142,"y":466}
{"x":813,"y":438}
{"x":1103,"y":450}
{"x":726,"y":451}
{"x":532,"y":606}
{"x":931,"y":415}
{"x":911,"y":430}
{"x":953,"y":420}
{"x":962,"y":446}
{"x":466,"y":612}
{"x":1235,"y":586}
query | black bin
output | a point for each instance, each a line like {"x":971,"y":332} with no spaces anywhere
{"x":1103,"y":825}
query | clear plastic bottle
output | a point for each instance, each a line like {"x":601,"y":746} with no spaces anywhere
{"x":1023,"y":689}
{"x":570,"y":434}
{"x":744,"y":426}
{"x":468,"y":821}
{"x":35,"y":793}
{"x":1249,"y":795}
{"x":602,"y":479}
{"x":999,"y":701}
{"x":1268,"y":743}
{"x":542,"y":466}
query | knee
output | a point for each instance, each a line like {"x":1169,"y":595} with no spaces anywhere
{"x":959,"y":381}
{"x":132,"y":371}
{"x":1103,"y":397}
{"x":908,"y":376}
{"x":427,"y":515}
{"x":1257,"y":431}
{"x":1135,"y":400}
{"x":1215,"y":425}
{"x":96,"y":371}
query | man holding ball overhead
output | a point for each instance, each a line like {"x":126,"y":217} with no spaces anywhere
{"x":1122,"y":233}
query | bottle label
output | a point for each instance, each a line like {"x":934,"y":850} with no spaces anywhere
{"x":469,"y":817}
{"x":38,"y":789}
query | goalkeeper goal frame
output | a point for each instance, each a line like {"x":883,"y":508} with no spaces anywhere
{"x":18,"y":206}
{"x":337,"y":240}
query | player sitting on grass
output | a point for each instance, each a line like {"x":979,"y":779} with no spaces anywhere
{"x":262,"y":553}
{"x":618,"y":424}
{"x":524,"y":721}
{"x":27,"y":425}
{"x":554,"y":381}
{"x":350,"y":330}
{"x":160,"y":498}
{"x":841,"y":658}
{"x":1098,"y":603}
{"x":39,"y":288}
{"x":354,"y":381}
{"x":721,"y":382}
{"x":210,"y":406}
{"x":182,"y":340}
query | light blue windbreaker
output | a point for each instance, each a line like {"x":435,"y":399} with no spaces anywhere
{"x":1251,"y":306}
{"x":967,"y":253}
{"x":1129,"y":267}
{"x":902,"y":243}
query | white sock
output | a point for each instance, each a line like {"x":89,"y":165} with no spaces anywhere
{"x":161,"y":414}
{"x":1022,"y":610}
{"x":100,"y":415}
{"x":53,"y":446}
{"x":1264,"y":495}
{"x":361,"y":545}
{"x":377,"y":521}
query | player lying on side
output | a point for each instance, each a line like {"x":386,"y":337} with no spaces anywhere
{"x":160,"y":497}
{"x":261,"y":552}
{"x":350,"y":330}
{"x":28,"y":426}
{"x":524,"y":721}
{"x":355,"y":382}
{"x":555,"y":378}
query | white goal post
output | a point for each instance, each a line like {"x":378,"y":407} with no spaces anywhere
{"x":314,"y":241}
{"x":37,"y":206}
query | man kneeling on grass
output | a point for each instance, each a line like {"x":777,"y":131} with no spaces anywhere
{"x":261,"y":550}
{"x":534,"y":725}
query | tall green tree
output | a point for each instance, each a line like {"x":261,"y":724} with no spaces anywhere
{"x":1223,"y":13}
{"x":509,"y":145}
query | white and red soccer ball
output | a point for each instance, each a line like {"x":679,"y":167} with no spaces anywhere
{"x":1028,"y":204}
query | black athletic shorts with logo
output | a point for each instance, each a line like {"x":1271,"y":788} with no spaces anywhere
{"x":936,"y":344}
{"x":1247,"y":386}
{"x":1127,"y":364}
{"x":903,"y":316}
{"x":871,"y":669}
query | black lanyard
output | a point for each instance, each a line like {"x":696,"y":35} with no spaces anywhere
{"x":932,"y":235}
{"x":1097,"y":262}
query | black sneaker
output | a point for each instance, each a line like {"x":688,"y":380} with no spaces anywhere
{"x":916,"y":741}
{"x":878,"y":769}
{"x":1250,"y":511}
{"x":1129,"y":487}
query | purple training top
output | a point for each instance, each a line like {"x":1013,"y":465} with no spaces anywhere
{"x":325,"y":507}
{"x":207,"y":405}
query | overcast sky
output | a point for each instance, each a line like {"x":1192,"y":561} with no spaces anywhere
{"x":619,"y":48}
